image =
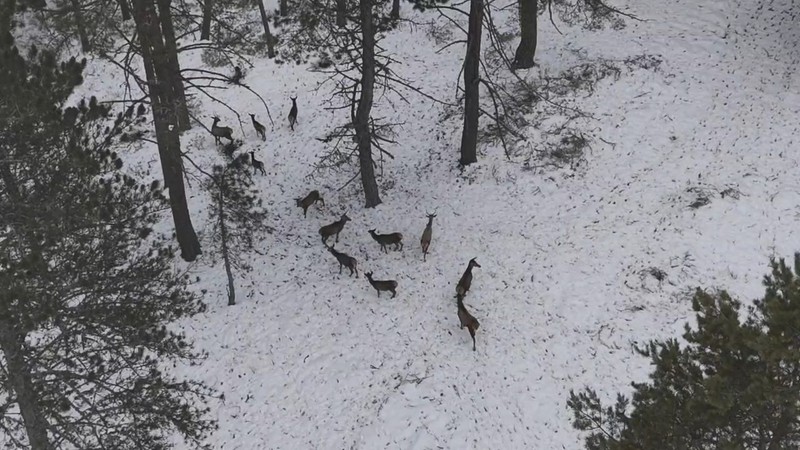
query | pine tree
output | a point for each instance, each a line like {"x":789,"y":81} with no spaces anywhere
{"x":237,"y":215}
{"x":86,"y":286}
{"x":734,"y":385}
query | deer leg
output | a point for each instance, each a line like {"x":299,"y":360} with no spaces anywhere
{"x":340,"y":268}
{"x":337,"y":238}
{"x":393,"y":293}
{"x":472,"y":333}
{"x":323,"y":201}
{"x":379,"y":292}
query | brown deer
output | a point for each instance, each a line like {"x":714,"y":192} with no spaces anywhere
{"x":388,"y":239}
{"x":345,"y":260}
{"x":309,"y":200}
{"x":293,"y":113}
{"x":466,"y":280}
{"x":382,"y":285}
{"x":257,"y":165}
{"x":333,"y":228}
{"x":260,"y":129}
{"x":426,"y":236}
{"x":466,"y":319}
{"x":221,"y":132}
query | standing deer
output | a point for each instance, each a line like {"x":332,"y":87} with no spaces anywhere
{"x":382,"y":285}
{"x":466,"y":280}
{"x":345,"y":260}
{"x":293,"y":113}
{"x":388,"y":239}
{"x":426,"y":236}
{"x":260,"y":129}
{"x":257,"y":165}
{"x":333,"y":228}
{"x":466,"y":319}
{"x":310,"y":199}
{"x":221,"y":132}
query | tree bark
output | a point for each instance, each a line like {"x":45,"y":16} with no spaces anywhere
{"x":80,"y":25}
{"x":124,"y":9}
{"x":284,"y":8}
{"x":205,"y":27}
{"x":267,"y":32}
{"x":341,"y":13}
{"x":223,"y":235}
{"x":157,"y":69}
{"x":523,"y":58}
{"x":469,"y":136}
{"x":361,"y":120}
{"x":170,"y":54}
{"x":7,"y":10}
{"x":19,"y":377}
{"x":394,"y":14}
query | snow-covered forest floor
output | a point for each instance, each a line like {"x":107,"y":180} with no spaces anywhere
{"x":310,"y":359}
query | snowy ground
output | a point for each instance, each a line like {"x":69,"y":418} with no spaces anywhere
{"x":310,"y":359}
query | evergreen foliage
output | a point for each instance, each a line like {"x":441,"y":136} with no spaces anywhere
{"x":735,"y":384}
{"x":87,"y":288}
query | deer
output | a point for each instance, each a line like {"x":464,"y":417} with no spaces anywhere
{"x":237,"y":75}
{"x":426,"y":236}
{"x":310,"y":199}
{"x":257,"y":165}
{"x":221,"y":132}
{"x":388,"y":239}
{"x":333,"y":228}
{"x":345,"y":260}
{"x":466,"y":280}
{"x":293,"y":113}
{"x":382,"y":285}
{"x":466,"y":319}
{"x":260,"y":129}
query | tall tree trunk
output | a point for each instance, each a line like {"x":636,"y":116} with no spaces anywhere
{"x":469,"y":136}
{"x":341,"y":13}
{"x":284,"y":8}
{"x":205,"y":27}
{"x":523,"y":58}
{"x":80,"y":25}
{"x":165,"y":117}
{"x":19,"y":378}
{"x":124,"y":9}
{"x":267,"y":32}
{"x":223,"y":236}
{"x":7,"y":10}
{"x":394,"y":14}
{"x":361,"y":120}
{"x":171,"y":56}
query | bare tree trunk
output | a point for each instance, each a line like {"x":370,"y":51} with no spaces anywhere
{"x":523,"y":58}
{"x":361,"y":120}
{"x":394,"y":14}
{"x":341,"y":13}
{"x":19,"y":378}
{"x":164,"y":104}
{"x":170,"y":54}
{"x":80,"y":25}
{"x":205,"y":27}
{"x":124,"y":9}
{"x":223,"y":235}
{"x":284,"y":8}
{"x":469,"y":136}
{"x":267,"y":32}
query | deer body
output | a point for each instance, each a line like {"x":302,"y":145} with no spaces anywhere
{"x":466,"y":279}
{"x":426,"y":236}
{"x":388,"y":239}
{"x":293,"y":113}
{"x":260,"y":129}
{"x":334,"y":228}
{"x":257,"y":165}
{"x":382,"y":285}
{"x":466,"y":319}
{"x":309,"y":200}
{"x":221,"y":132}
{"x":345,"y":260}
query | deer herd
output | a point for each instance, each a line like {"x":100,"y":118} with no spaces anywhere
{"x":333,"y":230}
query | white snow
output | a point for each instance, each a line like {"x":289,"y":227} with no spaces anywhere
{"x":310,"y":359}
